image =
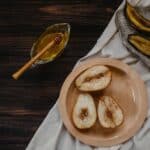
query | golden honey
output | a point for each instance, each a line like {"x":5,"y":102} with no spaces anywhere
{"x":49,"y":35}
{"x":51,"y":53}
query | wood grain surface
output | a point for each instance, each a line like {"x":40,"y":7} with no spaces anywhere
{"x":25,"y":103}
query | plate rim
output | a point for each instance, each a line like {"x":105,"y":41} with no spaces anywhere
{"x":75,"y":72}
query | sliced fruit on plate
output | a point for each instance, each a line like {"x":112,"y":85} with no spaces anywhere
{"x":94,"y":79}
{"x":109,"y":112}
{"x":140,"y":43}
{"x":137,"y":20}
{"x":84,"y":112}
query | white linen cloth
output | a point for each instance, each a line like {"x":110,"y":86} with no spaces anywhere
{"x":52,"y":135}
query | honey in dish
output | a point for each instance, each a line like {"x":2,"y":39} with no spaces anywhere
{"x":51,"y":53}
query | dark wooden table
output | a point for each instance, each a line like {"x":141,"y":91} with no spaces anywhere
{"x":25,"y":103}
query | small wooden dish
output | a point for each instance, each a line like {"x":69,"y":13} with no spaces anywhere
{"x":126,"y":87}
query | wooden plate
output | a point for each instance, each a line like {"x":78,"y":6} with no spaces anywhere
{"x":126,"y":87}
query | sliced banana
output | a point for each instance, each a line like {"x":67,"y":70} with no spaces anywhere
{"x":138,"y":21}
{"x":140,"y":43}
{"x":84,"y":112}
{"x":109,"y":112}
{"x":94,"y":79}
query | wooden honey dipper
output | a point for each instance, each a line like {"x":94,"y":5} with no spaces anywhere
{"x":53,"y":43}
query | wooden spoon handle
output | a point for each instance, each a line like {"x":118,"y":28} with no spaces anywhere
{"x":17,"y":74}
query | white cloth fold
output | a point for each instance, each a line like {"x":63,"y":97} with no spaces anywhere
{"x":52,"y":135}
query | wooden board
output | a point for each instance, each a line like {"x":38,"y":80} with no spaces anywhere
{"x":25,"y":103}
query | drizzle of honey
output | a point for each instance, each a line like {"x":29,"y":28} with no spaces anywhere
{"x":51,"y":53}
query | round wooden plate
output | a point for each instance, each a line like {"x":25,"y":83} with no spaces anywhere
{"x":126,"y":87}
